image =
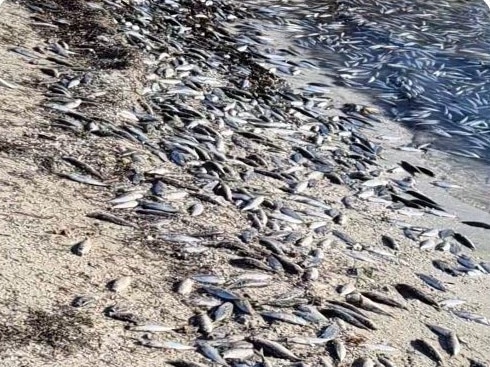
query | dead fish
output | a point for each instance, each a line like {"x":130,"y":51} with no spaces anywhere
{"x":220,"y":293}
{"x":350,"y":317}
{"x":239,"y":354}
{"x":112,"y":219}
{"x":211,"y":353}
{"x":476,"y":224}
{"x":150,"y":343}
{"x":185,"y":286}
{"x":82,"y":248}
{"x":384,"y":299}
{"x":83,"y":166}
{"x":432,"y":281}
{"x":205,"y":323}
{"x":119,"y":285}
{"x":128,"y":197}
{"x":196,"y":209}
{"x":363,"y":362}
{"x":150,"y":328}
{"x":365,"y":303}
{"x":209,"y":279}
{"x":445,"y":185}
{"x":451,"y":341}
{"x":446,"y":267}
{"x":244,"y":306}
{"x":465,"y":241}
{"x":248,"y":262}
{"x":385,"y":361}
{"x":346,"y":289}
{"x":82,"y":301}
{"x":427,"y":245}
{"x":427,"y":349}
{"x":284,"y":317}
{"x":182,"y":363}
{"x":223,"y":312}
{"x":254,"y":203}
{"x":450,"y":303}
{"x":82,"y":179}
{"x":472,"y":317}
{"x":273,"y":349}
{"x":475,"y":363}
{"x":331,"y":332}
{"x":410,"y":168}
{"x":407,"y":291}
{"x":120,"y":314}
{"x":307,"y":341}
{"x":310,"y":313}
{"x":390,"y":242}
{"x":339,"y":349}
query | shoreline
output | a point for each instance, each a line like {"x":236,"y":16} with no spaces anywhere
{"x":222,"y":171}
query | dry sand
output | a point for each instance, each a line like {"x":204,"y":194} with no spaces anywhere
{"x":42,"y":216}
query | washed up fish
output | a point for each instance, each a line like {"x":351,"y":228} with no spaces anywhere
{"x":446,"y":267}
{"x":83,"y":179}
{"x":285,"y":317}
{"x":410,"y":292}
{"x":465,"y":241}
{"x":363,"y":362}
{"x":427,"y":349}
{"x":82,"y":301}
{"x":310,"y":313}
{"x":331,"y":332}
{"x":150,"y":328}
{"x":128,"y":197}
{"x":476,"y":224}
{"x":384,"y":299}
{"x":273,"y":349}
{"x":445,"y":185}
{"x":385,"y":362}
{"x":390,"y":242}
{"x":451,"y":341}
{"x":346,"y":289}
{"x":339,"y":349}
{"x":185,"y":286}
{"x":151,"y":343}
{"x":432,"y":281}
{"x":239,"y":353}
{"x":119,"y":285}
{"x":182,"y":363}
{"x":223,"y":312}
{"x":211,"y":353}
{"x":84,"y":166}
{"x":209,"y":279}
{"x":111,"y":218}
{"x":304,"y":340}
{"x":450,"y":303}
{"x":365,"y":303}
{"x":472,"y":317}
{"x":204,"y":322}
{"x":350,"y":317}
{"x":82,"y":248}
{"x":220,"y":293}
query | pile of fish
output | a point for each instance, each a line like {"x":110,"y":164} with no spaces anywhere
{"x":230,"y":134}
{"x":426,"y":62}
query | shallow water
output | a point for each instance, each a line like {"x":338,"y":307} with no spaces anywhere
{"x":407,"y":57}
{"x":426,"y":63}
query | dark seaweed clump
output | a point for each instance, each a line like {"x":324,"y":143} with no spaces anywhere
{"x":64,"y":331}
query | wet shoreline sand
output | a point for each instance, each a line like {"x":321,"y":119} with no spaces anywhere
{"x":46,"y":215}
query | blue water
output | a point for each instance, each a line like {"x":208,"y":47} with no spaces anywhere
{"x":427,"y":63}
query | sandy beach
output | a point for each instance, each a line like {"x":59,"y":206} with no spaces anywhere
{"x":43,"y":216}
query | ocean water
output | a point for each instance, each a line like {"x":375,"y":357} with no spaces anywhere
{"x":426,"y":63}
